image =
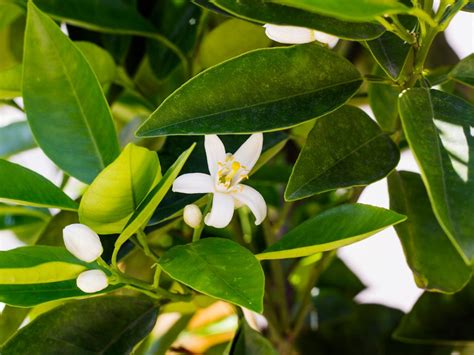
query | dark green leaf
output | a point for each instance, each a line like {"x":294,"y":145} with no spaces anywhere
{"x":344,"y":149}
{"x":440,"y":319}
{"x":105,"y":325}
{"x":464,"y":71}
{"x":16,"y":184}
{"x":219,"y":268}
{"x":248,"y":341}
{"x":266,"y":12}
{"x":383,"y":100}
{"x":438,"y":127}
{"x":65,"y":106}
{"x":339,"y":276}
{"x":435,"y":262}
{"x":469,"y":7}
{"x":15,"y":138}
{"x":11,"y":319}
{"x":355,"y":10}
{"x":332,"y":229}
{"x":287,"y":90}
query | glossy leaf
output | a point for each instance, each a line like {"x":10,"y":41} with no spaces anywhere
{"x":103,"y":325}
{"x":65,"y":106}
{"x":229,"y":39}
{"x":100,"y":61}
{"x":267,"y":12}
{"x":332,"y":229}
{"x":16,"y":184}
{"x":298,"y":93}
{"x":464,"y":71}
{"x":345,"y":148}
{"x":37,"y":274}
{"x":438,"y":128}
{"x":118,"y":190}
{"x":248,"y":341}
{"x":15,"y":138}
{"x":435,"y":262}
{"x":355,"y":10}
{"x":440,"y":319}
{"x":220,"y":268}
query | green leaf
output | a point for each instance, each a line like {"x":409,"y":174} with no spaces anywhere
{"x":229,"y":39}
{"x":65,"y":106}
{"x":355,"y":10}
{"x":266,"y":12}
{"x":286,"y":87}
{"x":100,"y":61}
{"x":435,"y":262}
{"x":219,"y":268}
{"x":438,"y":127}
{"x":103,"y":325}
{"x":464,"y":71}
{"x":36,"y":274}
{"x":15,"y":138}
{"x":344,"y":149}
{"x":383,"y":100}
{"x":16,"y":184}
{"x":118,"y":190}
{"x":469,"y":7}
{"x":332,"y":229}
{"x":12,"y":28}
{"x":339,"y":276}
{"x":10,"y":82}
{"x":11,"y":319}
{"x":250,"y":342}
{"x":146,"y":208}
{"x":440,"y":319}
{"x":17,"y":218}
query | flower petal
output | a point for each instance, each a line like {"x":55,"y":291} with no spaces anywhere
{"x":249,"y":152}
{"x":215,"y":153}
{"x":195,"y":183}
{"x":328,"y":39}
{"x":252,"y":199}
{"x":221,"y":212}
{"x":289,"y":34}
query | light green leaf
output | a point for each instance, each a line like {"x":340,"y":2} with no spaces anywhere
{"x":16,"y":184}
{"x":229,"y":39}
{"x":15,"y":138}
{"x":438,"y":127}
{"x":344,"y":149}
{"x":65,"y":106}
{"x":290,"y":85}
{"x":12,"y":28}
{"x":332,"y":229}
{"x":435,"y":262}
{"x":102,"y":325}
{"x":355,"y":10}
{"x":10,"y":82}
{"x":219,"y":268}
{"x":100,"y":61}
{"x":18,"y":218}
{"x":464,"y":71}
{"x":118,"y":190}
{"x":263,"y":12}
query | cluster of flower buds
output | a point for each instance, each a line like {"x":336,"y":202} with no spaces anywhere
{"x":84,"y":244}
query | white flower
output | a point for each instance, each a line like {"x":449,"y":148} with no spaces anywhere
{"x":92,"y":281}
{"x":298,"y":35}
{"x":82,"y":242}
{"x":192,"y":216}
{"x":226,"y":173}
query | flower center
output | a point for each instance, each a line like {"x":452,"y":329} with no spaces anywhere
{"x":230,"y":173}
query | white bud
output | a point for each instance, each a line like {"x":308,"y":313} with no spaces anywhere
{"x":325,"y":38}
{"x":82,"y":242}
{"x":192,"y":216}
{"x":297,"y":35}
{"x":92,"y":281}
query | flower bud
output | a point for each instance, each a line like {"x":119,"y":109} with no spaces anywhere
{"x":92,"y":281}
{"x":82,"y":242}
{"x":192,"y":216}
{"x":297,"y":35}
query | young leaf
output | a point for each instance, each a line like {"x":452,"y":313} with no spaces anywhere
{"x":290,"y":85}
{"x":100,"y":61}
{"x":15,"y":138}
{"x":435,"y":262}
{"x":10,"y":82}
{"x":438,"y":128}
{"x":464,"y":71}
{"x":119,"y":189}
{"x":103,"y":325}
{"x":332,"y":229}
{"x":65,"y":106}
{"x":440,"y":319}
{"x":219,"y":268}
{"x":345,"y":148}
{"x":266,"y":12}
{"x":36,"y":274}
{"x":355,"y":10}
{"x":16,"y":185}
